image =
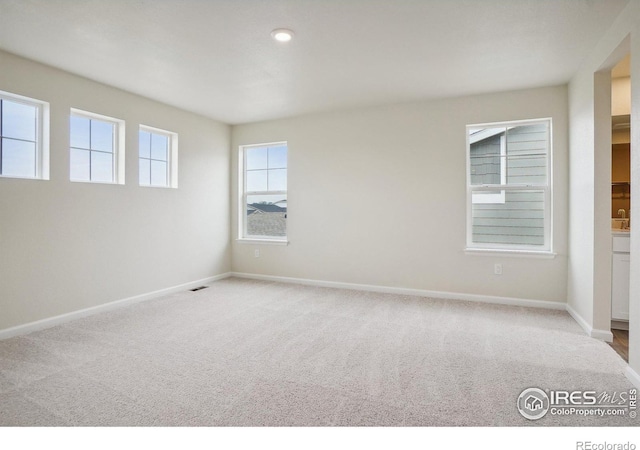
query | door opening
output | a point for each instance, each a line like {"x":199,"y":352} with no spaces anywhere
{"x":620,"y":203}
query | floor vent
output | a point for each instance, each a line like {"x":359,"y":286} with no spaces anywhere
{"x":198,"y":288}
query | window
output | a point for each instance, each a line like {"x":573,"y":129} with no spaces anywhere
{"x":157,"y":157}
{"x":24,"y":137}
{"x":263,"y":183}
{"x":509,"y":187}
{"x":97,"y":148}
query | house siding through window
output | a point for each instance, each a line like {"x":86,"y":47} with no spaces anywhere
{"x":519,"y":218}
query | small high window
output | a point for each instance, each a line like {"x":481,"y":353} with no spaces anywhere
{"x":158,"y":157}
{"x":24,"y":137}
{"x":97,"y":148}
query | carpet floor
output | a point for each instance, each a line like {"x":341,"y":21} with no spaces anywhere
{"x":254,"y":353}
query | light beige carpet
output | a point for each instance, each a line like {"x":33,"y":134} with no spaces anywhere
{"x":259,"y":353}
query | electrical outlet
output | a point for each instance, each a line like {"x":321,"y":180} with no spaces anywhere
{"x":256,"y":253}
{"x":497,"y":269}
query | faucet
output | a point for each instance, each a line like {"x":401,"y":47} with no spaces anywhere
{"x":622,"y":213}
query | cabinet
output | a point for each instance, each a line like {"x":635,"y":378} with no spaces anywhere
{"x":620,"y":278}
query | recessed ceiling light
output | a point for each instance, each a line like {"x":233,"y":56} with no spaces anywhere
{"x":282,"y":34}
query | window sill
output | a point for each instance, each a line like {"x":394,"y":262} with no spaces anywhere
{"x":513,"y":253}
{"x":262,"y":241}
{"x":16,"y":177}
{"x":156,"y":187}
{"x":112,"y":183}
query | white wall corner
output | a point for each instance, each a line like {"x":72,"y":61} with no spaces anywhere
{"x":633,"y":376}
{"x":603,"y":335}
{"x":74,"y":315}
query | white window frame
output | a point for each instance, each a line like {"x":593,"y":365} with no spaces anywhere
{"x":172,"y":156}
{"x":42,"y":134}
{"x":547,"y":188}
{"x":118,"y":145}
{"x":243,"y":194}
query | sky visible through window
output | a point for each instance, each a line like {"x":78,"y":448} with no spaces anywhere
{"x":266,"y":172}
{"x":153,"y":158}
{"x":19,"y":139}
{"x":92,"y":145}
{"x":267,"y":169}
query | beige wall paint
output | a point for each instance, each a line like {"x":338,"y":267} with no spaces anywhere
{"x":69,"y":246}
{"x":378,"y":196}
{"x":620,"y":96}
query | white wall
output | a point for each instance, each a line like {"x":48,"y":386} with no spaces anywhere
{"x":634,"y":288}
{"x":68,"y":246}
{"x":377,"y":196}
{"x":590,"y":236}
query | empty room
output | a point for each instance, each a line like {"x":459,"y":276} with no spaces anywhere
{"x":301,"y":213}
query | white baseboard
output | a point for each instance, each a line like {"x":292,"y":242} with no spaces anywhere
{"x":603,"y":335}
{"x":633,"y":376}
{"x":63,"y":318}
{"x":407,"y":291}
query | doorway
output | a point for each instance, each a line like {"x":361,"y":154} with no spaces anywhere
{"x":620,"y":203}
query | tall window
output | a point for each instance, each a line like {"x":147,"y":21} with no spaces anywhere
{"x":158,"y":157}
{"x":24,"y":137}
{"x":509,"y":186}
{"x":97,"y":148}
{"x":263,"y":209}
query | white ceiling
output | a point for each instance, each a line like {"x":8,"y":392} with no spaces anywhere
{"x":216,"y":57}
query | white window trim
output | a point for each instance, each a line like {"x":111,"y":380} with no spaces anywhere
{"x":510,"y":249}
{"x":242,"y":198}
{"x":510,"y":253}
{"x":172,"y":156}
{"x":262,"y":240}
{"x":42,"y":134}
{"x":118,"y":144}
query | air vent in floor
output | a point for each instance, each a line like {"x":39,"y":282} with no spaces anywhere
{"x":198,"y":288}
